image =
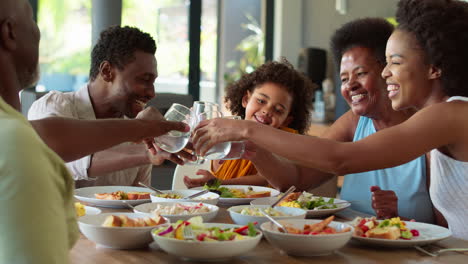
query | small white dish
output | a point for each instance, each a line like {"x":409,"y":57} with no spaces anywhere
{"x":89,"y":210}
{"x":149,"y":207}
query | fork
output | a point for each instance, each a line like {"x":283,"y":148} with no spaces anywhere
{"x":440,"y":251}
{"x":188,"y":233}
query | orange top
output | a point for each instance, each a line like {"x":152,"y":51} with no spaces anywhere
{"x":231,"y":169}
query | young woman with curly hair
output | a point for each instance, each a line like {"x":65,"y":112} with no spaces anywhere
{"x":275,"y":95}
{"x":426,"y":69}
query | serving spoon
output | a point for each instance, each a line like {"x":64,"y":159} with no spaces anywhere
{"x":150,"y":187}
{"x":281,"y":227}
{"x":290,"y":190}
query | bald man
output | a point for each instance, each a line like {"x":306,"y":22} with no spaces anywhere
{"x":38,"y":223}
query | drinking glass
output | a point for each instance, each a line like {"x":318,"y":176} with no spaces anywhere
{"x":226,"y":150}
{"x":201,"y":107}
{"x":174,"y":141}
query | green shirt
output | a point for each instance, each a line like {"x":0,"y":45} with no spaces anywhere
{"x":37,"y":218}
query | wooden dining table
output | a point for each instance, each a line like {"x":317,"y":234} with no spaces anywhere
{"x":86,"y":251}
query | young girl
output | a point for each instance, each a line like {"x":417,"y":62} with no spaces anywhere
{"x":426,"y":70}
{"x":275,"y":95}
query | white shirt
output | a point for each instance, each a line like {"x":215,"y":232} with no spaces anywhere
{"x":78,"y":105}
{"x":449,"y":183}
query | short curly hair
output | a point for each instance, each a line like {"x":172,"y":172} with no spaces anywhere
{"x":117,"y":45}
{"x":371,"y":33}
{"x":440,"y":27}
{"x":283,"y":74}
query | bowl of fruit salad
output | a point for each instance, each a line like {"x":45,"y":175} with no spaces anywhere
{"x":193,"y":239}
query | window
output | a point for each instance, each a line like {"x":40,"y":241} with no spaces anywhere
{"x":64,"y":53}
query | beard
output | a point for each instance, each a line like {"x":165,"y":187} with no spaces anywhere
{"x":29,"y":77}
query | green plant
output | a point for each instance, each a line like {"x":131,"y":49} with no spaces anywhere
{"x":252,"y":48}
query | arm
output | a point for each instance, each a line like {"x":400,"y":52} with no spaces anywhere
{"x":118,"y":158}
{"x":275,"y":168}
{"x":390,"y":147}
{"x":72,"y":139}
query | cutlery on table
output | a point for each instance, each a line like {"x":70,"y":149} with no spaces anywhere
{"x":150,"y":187}
{"x":440,"y":251}
{"x":281,"y":227}
{"x":290,"y":190}
{"x":128,"y":205}
{"x":196,"y":194}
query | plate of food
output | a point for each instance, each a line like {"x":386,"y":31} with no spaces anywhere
{"x":239,"y":194}
{"x":315,"y":206}
{"x":396,"y":233}
{"x":113,"y":196}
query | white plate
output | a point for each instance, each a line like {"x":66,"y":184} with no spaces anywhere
{"x":427,"y":234}
{"x":239,"y":201}
{"x":89,"y":210}
{"x":310,"y":213}
{"x":87,"y":195}
{"x":147,"y":208}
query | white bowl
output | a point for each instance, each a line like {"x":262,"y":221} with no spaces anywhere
{"x":115,"y":237}
{"x":205,"y":251}
{"x":306,"y":245}
{"x":241,"y":219}
{"x":209,"y":198}
{"x":149,"y":207}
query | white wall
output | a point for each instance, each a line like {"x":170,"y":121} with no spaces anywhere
{"x":321,"y":20}
{"x":310,"y":23}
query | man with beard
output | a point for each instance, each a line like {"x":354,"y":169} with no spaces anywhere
{"x":122,"y":75}
{"x":38,"y":223}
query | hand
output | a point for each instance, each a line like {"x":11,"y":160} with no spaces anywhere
{"x":196,"y":182}
{"x":159,"y":126}
{"x":211,"y":132}
{"x":384,"y":202}
{"x":157,"y":156}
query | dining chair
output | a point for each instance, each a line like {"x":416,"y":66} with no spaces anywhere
{"x":189,"y":170}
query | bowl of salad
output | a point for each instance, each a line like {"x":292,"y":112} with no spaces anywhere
{"x":244,"y":214}
{"x":209,"y":241}
{"x":179,"y":195}
{"x":316,"y":206}
{"x":308,"y":237}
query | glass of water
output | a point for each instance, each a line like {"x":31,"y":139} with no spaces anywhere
{"x":174,"y":141}
{"x":201,"y":107}
{"x":225,"y":150}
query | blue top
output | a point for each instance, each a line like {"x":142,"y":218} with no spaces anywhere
{"x":407,"y":180}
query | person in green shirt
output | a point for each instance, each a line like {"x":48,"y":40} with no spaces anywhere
{"x":37,"y":223}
